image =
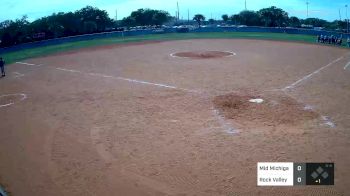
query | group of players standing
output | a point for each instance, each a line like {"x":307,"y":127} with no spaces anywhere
{"x":330,"y":39}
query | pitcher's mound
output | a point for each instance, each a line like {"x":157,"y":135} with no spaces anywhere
{"x":203,"y":54}
{"x":267,"y":108}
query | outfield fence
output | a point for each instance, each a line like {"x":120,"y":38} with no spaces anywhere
{"x":164,"y":31}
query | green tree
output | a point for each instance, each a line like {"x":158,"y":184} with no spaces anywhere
{"x":143,"y":17}
{"x":336,"y":25}
{"x":294,"y":21}
{"x":225,"y":18}
{"x":140,"y":17}
{"x":85,"y":20}
{"x":69,"y":21}
{"x":92,"y":14}
{"x":316,"y":22}
{"x":160,"y":17}
{"x":249,"y":18}
{"x":211,"y":21}
{"x":236,"y":19}
{"x":14,"y":32}
{"x":273,"y":17}
{"x":128,"y":22}
{"x":90,"y":26}
{"x":199,"y":18}
{"x":57,"y":25}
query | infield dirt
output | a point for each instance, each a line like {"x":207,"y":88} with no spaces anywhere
{"x":95,"y":123}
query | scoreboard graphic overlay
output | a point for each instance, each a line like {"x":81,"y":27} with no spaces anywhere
{"x":294,"y":174}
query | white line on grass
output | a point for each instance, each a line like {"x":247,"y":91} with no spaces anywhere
{"x":23,"y":63}
{"x":311,"y":74}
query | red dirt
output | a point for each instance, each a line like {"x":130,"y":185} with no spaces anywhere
{"x":277,"y":109}
{"x":83,"y":134}
{"x":203,"y":54}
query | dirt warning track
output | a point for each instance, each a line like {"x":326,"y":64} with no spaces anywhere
{"x":134,"y":120}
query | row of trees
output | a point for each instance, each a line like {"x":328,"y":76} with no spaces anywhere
{"x":273,"y":17}
{"x":85,"y":20}
{"x":146,"y":17}
{"x":91,"y":20}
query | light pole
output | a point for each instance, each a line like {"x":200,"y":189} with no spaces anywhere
{"x":178,"y":11}
{"x":188,"y":16}
{"x":347,"y":19}
{"x":307,"y":9}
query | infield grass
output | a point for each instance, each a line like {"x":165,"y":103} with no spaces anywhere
{"x":12,"y":57}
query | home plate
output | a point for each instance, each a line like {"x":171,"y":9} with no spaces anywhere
{"x":256,"y":100}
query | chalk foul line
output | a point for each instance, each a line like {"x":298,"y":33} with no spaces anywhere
{"x":328,"y":122}
{"x":347,"y":65}
{"x":17,"y":74}
{"x":129,"y":80}
{"x":311,"y":74}
{"x":22,"y":95}
{"x":68,"y":70}
{"x":223,"y":123}
{"x":232,"y":53}
{"x":30,"y":64}
{"x":156,"y":84}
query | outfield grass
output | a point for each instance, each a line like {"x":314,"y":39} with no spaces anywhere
{"x":12,"y":57}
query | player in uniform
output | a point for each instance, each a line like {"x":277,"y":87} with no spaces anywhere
{"x":2,"y":67}
{"x":325,"y":39}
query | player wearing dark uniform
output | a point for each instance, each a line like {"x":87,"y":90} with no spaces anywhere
{"x":340,"y":41}
{"x":2,"y":67}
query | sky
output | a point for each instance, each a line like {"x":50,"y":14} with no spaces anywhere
{"x":34,"y":9}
